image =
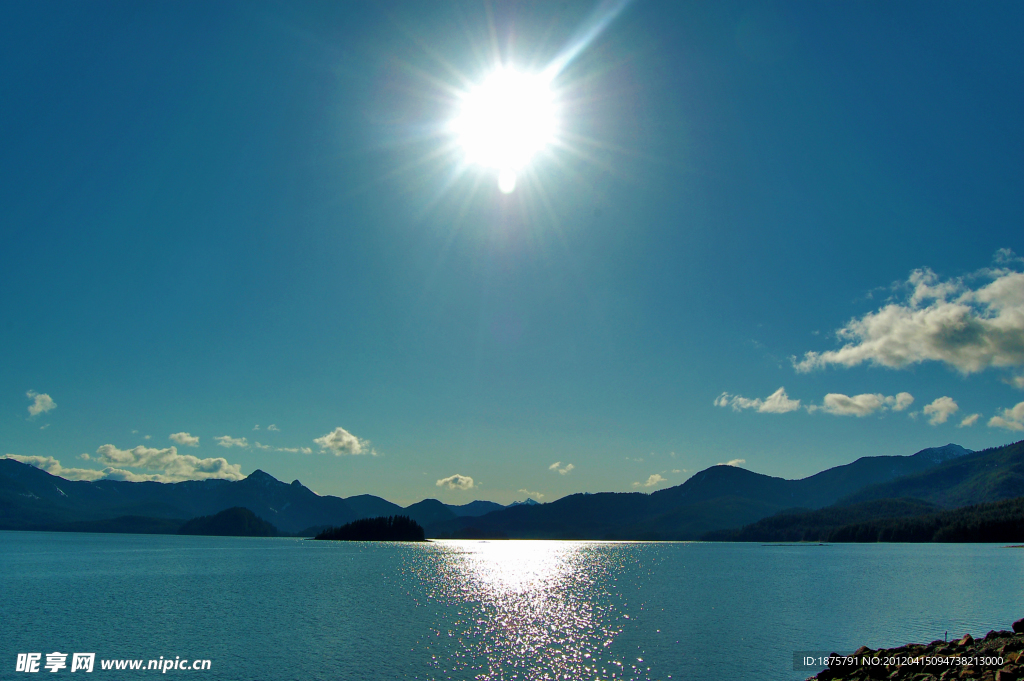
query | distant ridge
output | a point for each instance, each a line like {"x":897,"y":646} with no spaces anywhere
{"x":977,"y":477}
{"x":718,"y":498}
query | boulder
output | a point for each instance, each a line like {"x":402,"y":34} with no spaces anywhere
{"x":1018,"y":626}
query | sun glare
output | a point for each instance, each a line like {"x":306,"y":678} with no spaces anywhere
{"x":505,"y":121}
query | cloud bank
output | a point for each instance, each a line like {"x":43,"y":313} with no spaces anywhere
{"x":968,"y":329}
{"x":168,"y":465}
{"x":165,"y":465}
{"x":53,"y":467}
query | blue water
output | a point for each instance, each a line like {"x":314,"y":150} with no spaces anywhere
{"x":294,"y":609}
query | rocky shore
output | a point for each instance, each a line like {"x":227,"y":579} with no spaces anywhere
{"x":993,"y":658}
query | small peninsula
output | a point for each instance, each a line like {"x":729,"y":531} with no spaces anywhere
{"x":231,"y":522}
{"x":384,"y":528}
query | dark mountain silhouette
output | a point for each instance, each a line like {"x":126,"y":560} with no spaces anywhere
{"x":231,"y":522}
{"x":369,"y":506}
{"x":984,"y":476}
{"x":393,"y":528}
{"x":889,"y":520}
{"x":475,"y":508}
{"x":429,"y":512}
{"x":803,"y":525}
{"x":718,"y":498}
{"x":34,"y":499}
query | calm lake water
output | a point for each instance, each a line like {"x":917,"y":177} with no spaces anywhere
{"x":295,"y":609}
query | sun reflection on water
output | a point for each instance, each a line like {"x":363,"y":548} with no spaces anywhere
{"x":527,"y":610}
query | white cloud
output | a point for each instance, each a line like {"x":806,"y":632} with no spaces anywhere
{"x":776,"y":403}
{"x":732,"y":462}
{"x":256,"y":427}
{"x":862,"y":405}
{"x":943,"y":321}
{"x":456,"y":481}
{"x":536,"y":495}
{"x":651,"y":481}
{"x":1010,"y":419}
{"x":341,"y":442}
{"x":969,"y":421}
{"x":228,"y":441}
{"x":185,"y":439}
{"x":147,"y":437}
{"x":900,"y":402}
{"x":1016,"y":381}
{"x":53,"y":467}
{"x":41,"y":403}
{"x":273,"y":428}
{"x":560,"y":469}
{"x":259,"y":446}
{"x":940,"y":410}
{"x":169,"y":466}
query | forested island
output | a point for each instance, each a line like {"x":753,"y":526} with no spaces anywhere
{"x":384,"y":528}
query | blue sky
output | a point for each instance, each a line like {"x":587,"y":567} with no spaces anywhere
{"x":218,"y":216}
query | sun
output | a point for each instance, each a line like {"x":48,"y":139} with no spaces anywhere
{"x":505,"y":121}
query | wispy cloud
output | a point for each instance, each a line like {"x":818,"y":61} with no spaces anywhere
{"x":651,"y":481}
{"x":340,"y":442}
{"x":732,"y":462}
{"x":969,"y":421}
{"x":295,"y":450}
{"x":940,"y":410}
{"x":460,"y":482}
{"x":257,"y":445}
{"x":228,"y":441}
{"x":185,"y":439}
{"x":968,"y":329}
{"x":861,"y":405}
{"x":1009,"y":419}
{"x":536,"y":495}
{"x":273,"y":428}
{"x":776,"y":403}
{"x":560,"y":469}
{"x":41,"y":403}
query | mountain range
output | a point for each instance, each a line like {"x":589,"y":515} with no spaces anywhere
{"x":718,"y":498}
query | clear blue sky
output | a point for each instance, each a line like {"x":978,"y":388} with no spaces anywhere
{"x":222,"y":215}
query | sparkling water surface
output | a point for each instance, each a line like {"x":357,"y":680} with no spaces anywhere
{"x":295,"y":609}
